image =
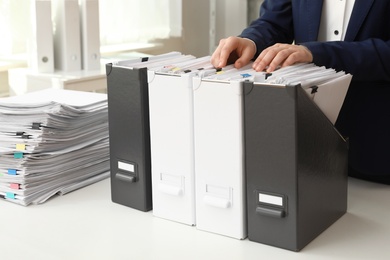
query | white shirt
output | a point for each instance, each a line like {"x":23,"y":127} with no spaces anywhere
{"x":334,"y":19}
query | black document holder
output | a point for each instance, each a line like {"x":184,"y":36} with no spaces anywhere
{"x":296,"y":157}
{"x":129,"y":135}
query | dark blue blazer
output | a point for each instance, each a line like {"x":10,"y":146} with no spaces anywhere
{"x":365,"y":53}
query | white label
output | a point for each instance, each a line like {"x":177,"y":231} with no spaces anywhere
{"x":126,"y":166}
{"x":223,"y":192}
{"x":172,"y":179}
{"x":270,"y":199}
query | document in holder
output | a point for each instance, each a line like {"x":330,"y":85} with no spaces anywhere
{"x":326,"y":87}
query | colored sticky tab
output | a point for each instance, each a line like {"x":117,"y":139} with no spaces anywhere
{"x":220,"y":72}
{"x":18,"y":155}
{"x":10,"y":195}
{"x":175,"y":69}
{"x":11,"y":171}
{"x":246,"y":75}
{"x":14,"y":186}
{"x":20,"y":147}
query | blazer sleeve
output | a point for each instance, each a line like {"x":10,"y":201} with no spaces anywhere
{"x":366,"y":59}
{"x":273,"y":26}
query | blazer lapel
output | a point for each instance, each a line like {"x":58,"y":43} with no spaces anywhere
{"x":359,"y":13}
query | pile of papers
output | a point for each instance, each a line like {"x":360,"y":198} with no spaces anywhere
{"x":325,"y":86}
{"x":52,"y":142}
{"x":307,"y":75}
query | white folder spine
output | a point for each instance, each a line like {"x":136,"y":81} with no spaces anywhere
{"x":219,"y":159}
{"x":41,"y":49}
{"x":90,"y":38}
{"x":67,"y":50}
{"x":172,"y":151}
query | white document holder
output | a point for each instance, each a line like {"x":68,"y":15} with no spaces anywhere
{"x":172,"y":146}
{"x":90,"y":38}
{"x":41,"y":46}
{"x":67,"y":39}
{"x":219,"y":158}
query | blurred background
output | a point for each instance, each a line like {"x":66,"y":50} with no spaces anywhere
{"x":134,"y":26}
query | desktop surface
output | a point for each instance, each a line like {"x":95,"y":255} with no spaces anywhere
{"x":85,"y":224}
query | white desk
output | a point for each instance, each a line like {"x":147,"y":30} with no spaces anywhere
{"x":5,"y":65}
{"x":86,"y":225}
{"x":23,"y":80}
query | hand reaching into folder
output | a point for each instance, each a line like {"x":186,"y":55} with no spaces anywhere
{"x":242,"y":50}
{"x":233,"y":50}
{"x":282,"y":55}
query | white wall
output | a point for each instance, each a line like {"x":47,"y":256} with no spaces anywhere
{"x":231,"y":18}
{"x":199,"y":38}
{"x":253,"y":9}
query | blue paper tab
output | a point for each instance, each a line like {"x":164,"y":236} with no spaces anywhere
{"x":18,"y":155}
{"x":11,"y":171}
{"x":246,"y":75}
{"x":10,"y":195}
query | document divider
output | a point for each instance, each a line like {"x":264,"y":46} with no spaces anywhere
{"x":172,"y":146}
{"x":129,"y":135}
{"x":219,"y":158}
{"x":296,"y":167}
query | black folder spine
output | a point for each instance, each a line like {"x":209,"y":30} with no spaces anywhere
{"x":129,"y":135}
{"x":295,"y":156}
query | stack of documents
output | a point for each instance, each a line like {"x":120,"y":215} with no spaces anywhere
{"x":325,"y":86}
{"x":52,"y":142}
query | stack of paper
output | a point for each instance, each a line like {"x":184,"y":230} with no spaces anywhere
{"x":52,"y":142}
{"x":325,"y":86}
